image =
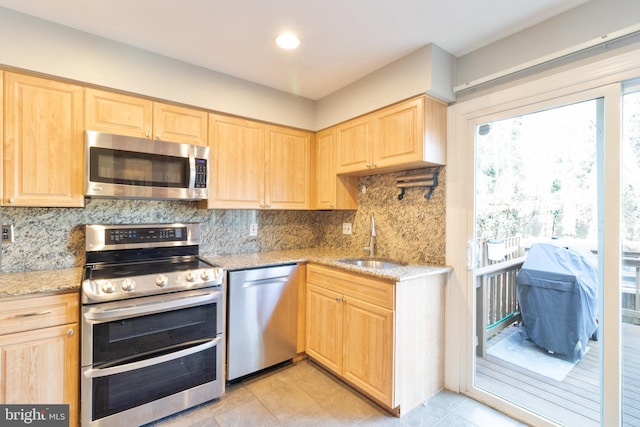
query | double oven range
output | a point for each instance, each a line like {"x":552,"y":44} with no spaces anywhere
{"x":152,"y":324}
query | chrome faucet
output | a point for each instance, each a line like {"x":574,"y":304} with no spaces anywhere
{"x":372,"y":239}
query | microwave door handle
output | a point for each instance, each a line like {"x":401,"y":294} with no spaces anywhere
{"x":192,"y":172}
{"x":103,"y":372}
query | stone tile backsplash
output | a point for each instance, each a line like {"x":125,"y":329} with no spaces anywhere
{"x":411,"y":230}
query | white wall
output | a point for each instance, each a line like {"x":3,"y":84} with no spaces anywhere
{"x":428,"y":70}
{"x":37,"y":45}
{"x":585,"y":23}
{"x":34,"y":44}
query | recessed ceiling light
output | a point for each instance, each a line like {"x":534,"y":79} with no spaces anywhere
{"x":287,"y":41}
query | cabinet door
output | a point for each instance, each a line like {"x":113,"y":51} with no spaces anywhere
{"x":43,"y":145}
{"x":324,"y":327}
{"x":41,"y":367}
{"x":179,"y":124}
{"x":354,"y":142}
{"x":398,"y":133}
{"x":1,"y":135}
{"x":325,"y":176}
{"x":368,"y":348}
{"x":120,"y":114}
{"x":288,"y":173}
{"x":237,"y":163}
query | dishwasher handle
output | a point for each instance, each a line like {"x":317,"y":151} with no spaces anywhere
{"x":268,"y":281}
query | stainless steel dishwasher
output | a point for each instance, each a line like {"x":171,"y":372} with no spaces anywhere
{"x":262,"y":318}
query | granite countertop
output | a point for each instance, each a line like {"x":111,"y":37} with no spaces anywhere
{"x":40,"y":282}
{"x":326,"y":257}
{"x":68,"y":280}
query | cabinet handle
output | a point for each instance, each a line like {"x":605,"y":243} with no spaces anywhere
{"x":368,"y":165}
{"x":10,"y":199}
{"x":157,"y":136}
{"x":70,"y":332}
{"x":38,"y":313}
{"x":344,"y":300}
{"x":148,"y":134}
{"x":374,"y":165}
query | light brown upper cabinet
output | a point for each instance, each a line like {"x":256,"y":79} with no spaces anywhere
{"x":332,"y":191}
{"x":410,"y":134}
{"x":43,"y":148}
{"x":179,"y":124}
{"x":1,"y":133}
{"x":237,"y":163}
{"x":129,"y":115}
{"x":288,"y":168}
{"x":258,"y":166}
{"x":354,"y":145}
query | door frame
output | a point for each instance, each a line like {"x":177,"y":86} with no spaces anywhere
{"x":600,"y":77}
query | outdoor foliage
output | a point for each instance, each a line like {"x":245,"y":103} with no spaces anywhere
{"x":536,"y":175}
{"x":631,"y":167}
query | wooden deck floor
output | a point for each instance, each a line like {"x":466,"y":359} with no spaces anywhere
{"x":574,"y":401}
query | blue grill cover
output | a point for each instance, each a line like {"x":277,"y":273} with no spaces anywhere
{"x":558,"y":297}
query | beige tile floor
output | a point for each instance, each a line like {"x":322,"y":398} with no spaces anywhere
{"x":303,"y":394}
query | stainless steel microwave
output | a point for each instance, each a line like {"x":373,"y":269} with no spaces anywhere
{"x":137,"y":168}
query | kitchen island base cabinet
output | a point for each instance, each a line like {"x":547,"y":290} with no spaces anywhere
{"x":384,"y":338}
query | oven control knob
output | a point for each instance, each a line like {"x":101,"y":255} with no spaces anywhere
{"x":108,"y":287}
{"x":162,"y":281}
{"x":205,"y":275}
{"x":190,"y":276}
{"x":128,"y":285}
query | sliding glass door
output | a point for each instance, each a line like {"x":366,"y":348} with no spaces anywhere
{"x":533,"y":200}
{"x":630,"y":233}
{"x":537,"y":234}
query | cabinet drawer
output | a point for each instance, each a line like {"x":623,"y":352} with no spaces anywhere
{"x":373,"y":291}
{"x":38,"y":312}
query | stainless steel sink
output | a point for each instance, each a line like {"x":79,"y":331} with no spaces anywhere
{"x":378,"y":263}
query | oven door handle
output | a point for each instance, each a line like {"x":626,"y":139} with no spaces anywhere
{"x":98,"y":314}
{"x":103,"y":372}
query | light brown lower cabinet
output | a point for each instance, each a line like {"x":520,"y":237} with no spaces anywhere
{"x":384,"y":338}
{"x":39,"y":352}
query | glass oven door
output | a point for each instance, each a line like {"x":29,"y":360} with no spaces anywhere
{"x":146,"y":358}
{"x":143,"y":391}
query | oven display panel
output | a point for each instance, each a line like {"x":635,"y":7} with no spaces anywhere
{"x":115,"y":236}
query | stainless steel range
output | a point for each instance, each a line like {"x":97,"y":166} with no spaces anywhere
{"x":152,"y":324}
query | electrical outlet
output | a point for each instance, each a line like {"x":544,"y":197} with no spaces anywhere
{"x":346,"y":228}
{"x":253,"y":230}
{"x":7,"y":234}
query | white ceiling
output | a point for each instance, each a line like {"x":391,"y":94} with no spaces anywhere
{"x":341,"y":40}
